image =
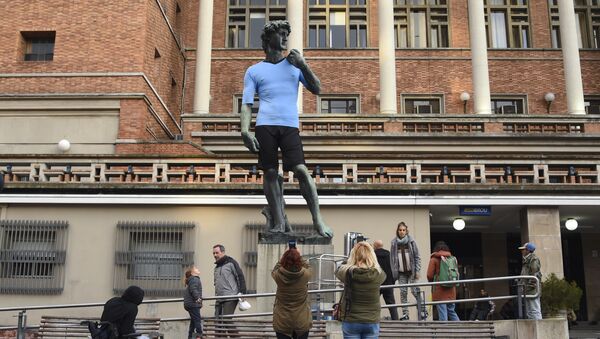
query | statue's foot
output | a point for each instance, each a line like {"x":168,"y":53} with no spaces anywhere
{"x":323,"y":229}
{"x":279,"y":228}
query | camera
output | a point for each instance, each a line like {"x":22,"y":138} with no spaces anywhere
{"x":292,"y":243}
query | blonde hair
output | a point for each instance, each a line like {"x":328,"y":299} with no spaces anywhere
{"x":363,"y":255}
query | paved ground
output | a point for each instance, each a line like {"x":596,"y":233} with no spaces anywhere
{"x":584,"y":331}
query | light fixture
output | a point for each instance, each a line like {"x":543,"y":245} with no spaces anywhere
{"x":458,"y":224}
{"x":549,"y":97}
{"x":64,"y":145}
{"x":571,"y":224}
{"x":464,"y":97}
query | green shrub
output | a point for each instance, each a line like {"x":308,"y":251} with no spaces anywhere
{"x":559,"y":294}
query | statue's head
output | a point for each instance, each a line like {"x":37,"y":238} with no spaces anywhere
{"x":271,"y":28}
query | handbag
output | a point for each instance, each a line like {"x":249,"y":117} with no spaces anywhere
{"x":101,"y":330}
{"x":347,"y":296}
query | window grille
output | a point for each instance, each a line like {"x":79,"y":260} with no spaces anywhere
{"x":587,"y":20}
{"x":507,"y":23}
{"x":246,"y":19}
{"x":32,"y":256}
{"x":421,"y":23}
{"x":337,"y":23}
{"x":153,"y":256}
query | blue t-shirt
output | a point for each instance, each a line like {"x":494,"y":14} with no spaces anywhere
{"x":277,"y":88}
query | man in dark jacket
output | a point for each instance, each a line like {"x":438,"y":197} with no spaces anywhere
{"x":121,"y":311}
{"x":228,"y":279}
{"x":383,"y":258}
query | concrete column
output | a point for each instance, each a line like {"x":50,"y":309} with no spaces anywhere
{"x":590,"y":244}
{"x":203,"y":57}
{"x":295,"y":10}
{"x":387,"y":58}
{"x":479,"y":59}
{"x":541,"y":226}
{"x":570,"y":50}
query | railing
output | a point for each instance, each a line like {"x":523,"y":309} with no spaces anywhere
{"x":421,"y":303}
{"x":224,"y":173}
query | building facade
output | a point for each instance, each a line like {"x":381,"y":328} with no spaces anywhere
{"x":122,"y":160}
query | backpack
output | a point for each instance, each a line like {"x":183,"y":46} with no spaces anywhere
{"x":448,"y":271}
{"x":101,"y":330}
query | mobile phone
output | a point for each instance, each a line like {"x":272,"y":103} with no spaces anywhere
{"x":292,"y":243}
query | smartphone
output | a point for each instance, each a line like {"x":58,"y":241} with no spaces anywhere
{"x":292,"y":243}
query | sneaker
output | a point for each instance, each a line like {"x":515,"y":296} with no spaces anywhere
{"x":424,"y":315}
{"x":404,"y":317}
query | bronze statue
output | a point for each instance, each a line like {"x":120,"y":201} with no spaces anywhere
{"x":276,"y":81}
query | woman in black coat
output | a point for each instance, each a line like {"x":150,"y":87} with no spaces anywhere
{"x":121,"y":311}
{"x":192,"y":300}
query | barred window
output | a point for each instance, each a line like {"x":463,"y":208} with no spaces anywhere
{"x":153,"y":255}
{"x":421,"y":23}
{"x":339,"y":104}
{"x":509,"y":104}
{"x":422,"y":104}
{"x":246,"y":19}
{"x":32,"y":256}
{"x":587,"y":21}
{"x":337,"y":23}
{"x":507,"y":23}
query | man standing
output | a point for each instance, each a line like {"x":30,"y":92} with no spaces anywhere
{"x":383,"y":258}
{"x":531,"y":266}
{"x":276,"y":81}
{"x":229,"y":280}
{"x":406,"y":264}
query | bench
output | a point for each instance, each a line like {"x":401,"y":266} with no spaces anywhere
{"x":238,"y":328}
{"x":71,"y":327}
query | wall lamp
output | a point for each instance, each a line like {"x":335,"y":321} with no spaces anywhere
{"x":464,"y":97}
{"x":549,"y":97}
{"x":571,"y":224}
{"x":64,"y":145}
{"x":459,"y":224}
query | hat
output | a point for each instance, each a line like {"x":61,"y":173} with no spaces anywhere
{"x":528,"y":246}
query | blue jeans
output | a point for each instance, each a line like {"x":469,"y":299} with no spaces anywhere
{"x":532,"y":306}
{"x":446,"y":312}
{"x":195,"y":322}
{"x":360,"y":330}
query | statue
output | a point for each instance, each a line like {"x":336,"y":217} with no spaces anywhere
{"x":276,"y":81}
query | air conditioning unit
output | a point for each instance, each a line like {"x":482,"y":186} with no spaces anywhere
{"x":508,"y":109}
{"x":423,"y":109}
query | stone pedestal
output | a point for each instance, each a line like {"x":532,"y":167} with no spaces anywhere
{"x":270,"y":249}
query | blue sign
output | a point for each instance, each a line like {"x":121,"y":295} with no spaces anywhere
{"x":475,"y":210}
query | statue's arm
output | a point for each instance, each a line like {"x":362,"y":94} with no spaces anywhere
{"x":249,"y":139}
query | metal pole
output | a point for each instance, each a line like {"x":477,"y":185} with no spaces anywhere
{"x":21,"y":325}
{"x":520,"y":298}
{"x":420,"y":306}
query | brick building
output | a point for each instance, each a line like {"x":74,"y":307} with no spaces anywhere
{"x":428,"y":108}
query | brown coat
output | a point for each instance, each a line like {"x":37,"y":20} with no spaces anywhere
{"x":291,"y":310}
{"x":439,"y":293}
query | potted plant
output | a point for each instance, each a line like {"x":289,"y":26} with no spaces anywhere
{"x":559,"y":295}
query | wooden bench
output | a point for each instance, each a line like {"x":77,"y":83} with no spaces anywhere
{"x":71,"y":327}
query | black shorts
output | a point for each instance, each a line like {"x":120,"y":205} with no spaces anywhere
{"x":272,"y":138}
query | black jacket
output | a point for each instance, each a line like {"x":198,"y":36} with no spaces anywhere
{"x":192,"y":297}
{"x":121,"y":311}
{"x":383,"y":258}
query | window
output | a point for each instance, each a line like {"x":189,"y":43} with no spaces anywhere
{"x":420,"y":104}
{"x":38,"y":46}
{"x":337,"y":23}
{"x":587,"y":20}
{"x":339,"y":104}
{"x":237,"y":99}
{"x":507,"y":23}
{"x":153,"y":255}
{"x":246,"y":19}
{"x":508,"y":105}
{"x":592,"y":104}
{"x":32,"y":256}
{"x":421,"y":23}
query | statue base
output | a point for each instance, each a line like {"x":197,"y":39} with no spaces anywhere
{"x":301,"y":238}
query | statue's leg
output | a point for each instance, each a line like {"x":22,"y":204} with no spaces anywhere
{"x":308,"y":189}
{"x":273,"y":193}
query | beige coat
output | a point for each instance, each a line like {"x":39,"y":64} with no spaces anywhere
{"x":291,"y":310}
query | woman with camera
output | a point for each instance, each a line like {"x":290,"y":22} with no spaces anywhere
{"x":291,"y":310}
{"x":360,"y":308}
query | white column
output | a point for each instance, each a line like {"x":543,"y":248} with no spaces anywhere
{"x":570,"y":50}
{"x":387,"y":58}
{"x":479,"y":59}
{"x":295,"y":10}
{"x":203,"y":57}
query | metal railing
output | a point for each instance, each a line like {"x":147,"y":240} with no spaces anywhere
{"x":420,"y":303}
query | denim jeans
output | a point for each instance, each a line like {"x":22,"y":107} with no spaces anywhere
{"x":195,"y":322}
{"x":532,"y":306}
{"x":446,"y":312}
{"x":360,"y":330}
